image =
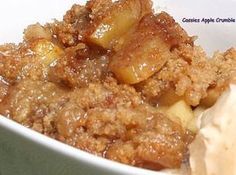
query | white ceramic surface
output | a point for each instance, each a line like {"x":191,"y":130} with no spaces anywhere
{"x":25,"y":152}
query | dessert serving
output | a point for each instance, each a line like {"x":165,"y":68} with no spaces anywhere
{"x":116,"y":80}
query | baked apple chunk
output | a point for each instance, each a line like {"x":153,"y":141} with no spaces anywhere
{"x":115,"y":20}
{"x":148,"y":49}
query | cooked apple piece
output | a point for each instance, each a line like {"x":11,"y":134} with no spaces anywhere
{"x":212,"y":96}
{"x":36,"y":31}
{"x":116,"y":21}
{"x":162,"y":109}
{"x":168,"y":98}
{"x":181,"y":113}
{"x":192,"y":125}
{"x":144,"y":54}
{"x":47,"y":51}
{"x":137,"y":64}
{"x":148,"y":48}
{"x":122,"y":40}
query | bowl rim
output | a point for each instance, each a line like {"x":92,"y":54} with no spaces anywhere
{"x":71,"y":152}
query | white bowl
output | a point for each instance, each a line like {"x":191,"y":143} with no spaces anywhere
{"x":26,"y":152}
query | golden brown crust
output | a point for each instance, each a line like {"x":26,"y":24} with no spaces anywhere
{"x":189,"y":79}
{"x":98,"y":119}
{"x":171,"y":31}
{"x":18,"y":62}
{"x":72,"y":29}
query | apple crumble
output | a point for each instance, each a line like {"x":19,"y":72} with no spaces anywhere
{"x":115,"y":80}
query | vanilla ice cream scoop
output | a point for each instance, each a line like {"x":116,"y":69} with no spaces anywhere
{"x":213,"y":152}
